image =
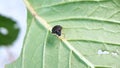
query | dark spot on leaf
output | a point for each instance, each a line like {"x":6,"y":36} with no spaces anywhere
{"x":57,"y":30}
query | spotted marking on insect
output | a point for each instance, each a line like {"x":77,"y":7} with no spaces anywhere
{"x":57,"y":30}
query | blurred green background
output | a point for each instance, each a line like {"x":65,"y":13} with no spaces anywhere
{"x":12,"y":29}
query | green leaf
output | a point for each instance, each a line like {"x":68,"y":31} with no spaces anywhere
{"x":90,"y":36}
{"x":8,"y":31}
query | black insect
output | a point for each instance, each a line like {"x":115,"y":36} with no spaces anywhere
{"x":57,"y":30}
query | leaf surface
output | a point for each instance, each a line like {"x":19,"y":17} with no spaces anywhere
{"x":90,"y":39}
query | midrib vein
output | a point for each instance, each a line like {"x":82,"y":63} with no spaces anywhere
{"x":47,"y":26}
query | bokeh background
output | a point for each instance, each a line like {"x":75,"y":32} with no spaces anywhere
{"x":16,"y":10}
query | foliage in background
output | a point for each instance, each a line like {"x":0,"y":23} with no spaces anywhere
{"x":91,"y":29}
{"x":8,"y":31}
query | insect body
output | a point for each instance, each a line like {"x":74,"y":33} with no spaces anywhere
{"x":57,"y":30}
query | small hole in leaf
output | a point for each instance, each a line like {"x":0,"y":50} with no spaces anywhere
{"x":114,"y":54}
{"x":3,"y":31}
{"x":103,"y":52}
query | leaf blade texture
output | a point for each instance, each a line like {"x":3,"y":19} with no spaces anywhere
{"x":92,"y":35}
